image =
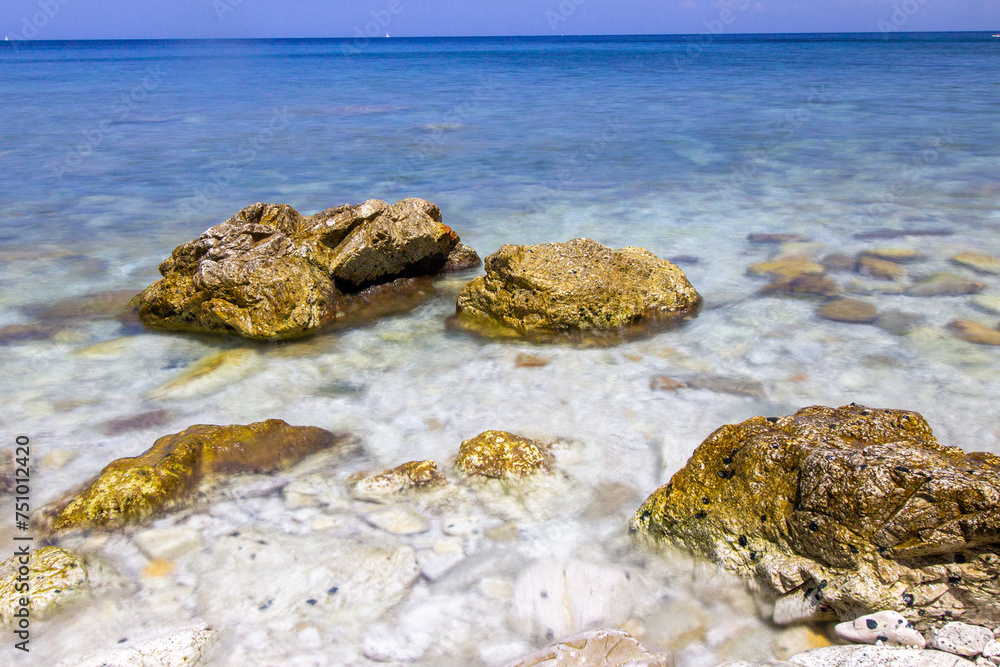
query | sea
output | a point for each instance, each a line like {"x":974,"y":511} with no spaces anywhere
{"x":112,"y":153}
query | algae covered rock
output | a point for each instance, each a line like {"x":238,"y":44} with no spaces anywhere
{"x":132,"y":489}
{"x":55,"y":578}
{"x":846,"y":511}
{"x":268,"y":272}
{"x":554,"y":290}
{"x":388,"y":483}
{"x":501,"y":455}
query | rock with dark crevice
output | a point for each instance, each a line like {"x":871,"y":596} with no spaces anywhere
{"x":269,"y":272}
{"x":860,"y":508}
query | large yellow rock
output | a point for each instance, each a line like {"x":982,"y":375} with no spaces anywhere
{"x":130,"y":490}
{"x":268,"y":272}
{"x":848,"y":510}
{"x":549,"y":291}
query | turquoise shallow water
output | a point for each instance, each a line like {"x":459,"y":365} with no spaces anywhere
{"x":114,"y":153}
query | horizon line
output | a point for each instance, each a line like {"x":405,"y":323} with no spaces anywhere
{"x":883,"y":34}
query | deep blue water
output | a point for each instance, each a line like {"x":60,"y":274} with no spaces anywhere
{"x":112,"y":138}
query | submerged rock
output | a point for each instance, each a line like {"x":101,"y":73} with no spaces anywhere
{"x":897,"y":255}
{"x":387,"y":484}
{"x":268,"y":272}
{"x":56,"y":578}
{"x":882,"y":269}
{"x":597,"y":648}
{"x":578,"y":288}
{"x":978,"y":262}
{"x":944,"y":284}
{"x":132,"y":489}
{"x":501,"y":455}
{"x":789,"y":266}
{"x":853,"y":311}
{"x":860,"y":508}
{"x":975,"y":332}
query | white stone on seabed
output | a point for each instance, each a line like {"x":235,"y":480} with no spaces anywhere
{"x":174,"y":649}
{"x":863,"y":655}
{"x":462,"y":526}
{"x":889,"y":627}
{"x":397,"y":520}
{"x":960,"y":638}
{"x":385,"y":643}
{"x":167,"y":543}
{"x":557,"y":599}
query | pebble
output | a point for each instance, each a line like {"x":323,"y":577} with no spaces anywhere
{"x":881,"y":269}
{"x":898,"y":255}
{"x":665,"y":383}
{"x":775,"y":238}
{"x":944,"y":284}
{"x":57,"y":578}
{"x":555,"y":599}
{"x":814,"y":284}
{"x":725,"y":385}
{"x":462,"y":526}
{"x":974,"y":332}
{"x":787,"y":267}
{"x":597,"y":648}
{"x":978,"y":262}
{"x":989,"y":303}
{"x":384,"y":486}
{"x":852,"y":311}
{"x":960,"y":638}
{"x":889,"y":627}
{"x":898,"y":322}
{"x":397,"y":520}
{"x":167,"y":543}
{"x":838,"y":262}
{"x":524,"y":360}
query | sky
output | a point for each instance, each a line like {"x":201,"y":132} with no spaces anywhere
{"x":175,"y":19}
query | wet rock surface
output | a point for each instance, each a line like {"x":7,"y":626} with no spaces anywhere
{"x":501,"y":455}
{"x":552,"y":291}
{"x":130,"y":490}
{"x":56,"y":578}
{"x":860,"y":509}
{"x":877,"y":656}
{"x":852,"y":311}
{"x":268,"y":272}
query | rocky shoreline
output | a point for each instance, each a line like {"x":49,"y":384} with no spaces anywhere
{"x":849,"y":514}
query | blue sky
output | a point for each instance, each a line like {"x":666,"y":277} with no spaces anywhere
{"x":113,"y":19}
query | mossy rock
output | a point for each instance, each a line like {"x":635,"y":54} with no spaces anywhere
{"x":501,"y":455}
{"x":580,"y":290}
{"x":852,"y":510}
{"x":270,"y":273}
{"x":130,"y":490}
